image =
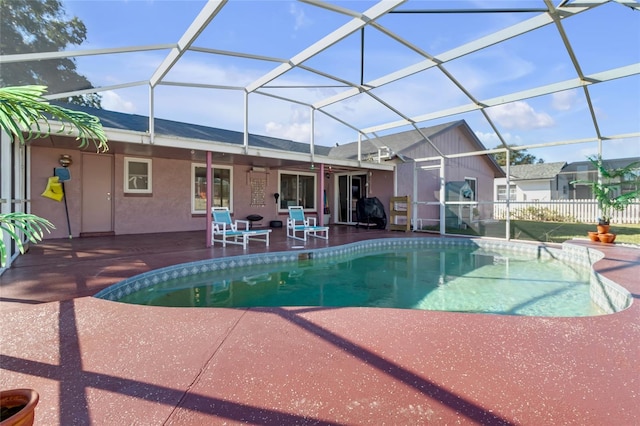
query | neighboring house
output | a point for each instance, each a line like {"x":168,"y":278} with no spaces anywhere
{"x":532,"y":182}
{"x":158,"y":183}
{"x":584,"y":170}
{"x":552,"y":181}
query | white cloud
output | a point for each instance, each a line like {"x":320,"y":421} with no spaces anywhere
{"x":294,"y":131}
{"x":298,"y":128}
{"x":299,"y":16}
{"x":564,"y":101}
{"x":520,"y":115}
{"x":481,"y":72}
{"x":491,"y":140}
{"x":114,"y":102}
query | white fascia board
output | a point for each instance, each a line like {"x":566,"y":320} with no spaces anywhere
{"x":197,"y":144}
{"x":126,"y":136}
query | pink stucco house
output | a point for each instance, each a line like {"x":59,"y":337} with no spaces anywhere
{"x":148,"y":185}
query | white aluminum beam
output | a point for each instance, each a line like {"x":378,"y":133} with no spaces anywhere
{"x":329,"y":40}
{"x":41,"y":56}
{"x":206,"y":15}
{"x":474,"y":46}
{"x":625,"y":71}
{"x":94,"y":90}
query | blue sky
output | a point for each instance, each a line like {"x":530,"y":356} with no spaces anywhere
{"x":604,"y":38}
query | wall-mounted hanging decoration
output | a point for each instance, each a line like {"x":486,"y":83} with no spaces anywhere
{"x":258,"y":191}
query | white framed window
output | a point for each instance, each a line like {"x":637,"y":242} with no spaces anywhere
{"x":502,"y":192}
{"x":137,"y":176}
{"x":297,"y":189}
{"x":221,"y":187}
{"x":473,"y":184}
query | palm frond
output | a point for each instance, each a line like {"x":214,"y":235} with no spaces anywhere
{"x":16,"y":224}
{"x":24,"y":109}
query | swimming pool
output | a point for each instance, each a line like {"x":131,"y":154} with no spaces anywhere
{"x":431,"y":274}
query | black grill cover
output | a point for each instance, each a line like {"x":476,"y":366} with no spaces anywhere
{"x":370,"y":210}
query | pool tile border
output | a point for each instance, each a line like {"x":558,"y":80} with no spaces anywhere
{"x":608,"y":295}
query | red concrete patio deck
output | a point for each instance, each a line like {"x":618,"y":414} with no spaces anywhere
{"x":100,"y":362}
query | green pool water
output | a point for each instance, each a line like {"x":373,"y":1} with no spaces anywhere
{"x":460,"y":279}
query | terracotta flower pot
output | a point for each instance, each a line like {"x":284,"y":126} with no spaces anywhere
{"x":607,"y":238}
{"x":603,"y":229}
{"x":593,"y":236}
{"x":18,"y":405}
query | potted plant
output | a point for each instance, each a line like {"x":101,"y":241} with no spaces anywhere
{"x":17,"y":407}
{"x":606,"y":191}
{"x":23,"y":110}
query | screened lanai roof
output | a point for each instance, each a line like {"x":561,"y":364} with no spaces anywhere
{"x":559,"y":78}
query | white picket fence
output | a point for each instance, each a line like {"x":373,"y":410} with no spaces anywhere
{"x":564,"y":210}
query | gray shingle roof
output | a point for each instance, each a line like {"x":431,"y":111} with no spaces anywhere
{"x":536,"y":171}
{"x":613,"y":163}
{"x":140,"y":123}
{"x":397,"y":142}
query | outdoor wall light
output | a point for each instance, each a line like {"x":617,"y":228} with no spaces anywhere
{"x":65,"y":160}
{"x":276,"y":196}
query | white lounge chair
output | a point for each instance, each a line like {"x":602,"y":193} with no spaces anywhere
{"x":296,"y":223}
{"x":234,"y":232}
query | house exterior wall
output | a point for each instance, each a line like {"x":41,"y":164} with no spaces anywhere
{"x":456,"y":169}
{"x":528,"y":190}
{"x":43,"y":163}
{"x":381,"y":187}
{"x":168,"y":207}
{"x":535,"y":190}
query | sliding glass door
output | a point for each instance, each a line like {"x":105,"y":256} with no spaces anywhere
{"x":351,"y":187}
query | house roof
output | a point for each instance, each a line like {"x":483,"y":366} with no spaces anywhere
{"x":614,"y":163}
{"x":542,"y":171}
{"x":140,"y":123}
{"x":398,"y":143}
